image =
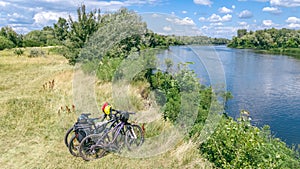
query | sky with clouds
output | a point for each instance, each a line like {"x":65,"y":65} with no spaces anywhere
{"x":215,"y":18}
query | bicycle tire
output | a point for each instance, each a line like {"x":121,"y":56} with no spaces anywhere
{"x":74,"y":146}
{"x":88,"y":149}
{"x":134,"y":137}
{"x":66,"y":139}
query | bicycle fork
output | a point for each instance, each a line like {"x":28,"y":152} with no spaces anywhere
{"x":133,"y":133}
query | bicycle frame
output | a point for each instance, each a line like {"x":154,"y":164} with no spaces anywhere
{"x":118,"y":127}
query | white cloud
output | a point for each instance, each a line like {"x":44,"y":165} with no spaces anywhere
{"x":167,"y":28}
{"x":184,"y":21}
{"x":202,"y":19}
{"x":203,"y":2}
{"x":214,"y":18}
{"x":285,"y":3}
{"x":107,"y":5}
{"x":16,"y":18}
{"x":294,"y":25}
{"x":268,"y":23}
{"x":293,"y":20}
{"x":4,"y":4}
{"x":51,"y":0}
{"x":262,"y":0}
{"x":44,"y":18}
{"x":233,"y":6}
{"x":226,"y":18}
{"x":15,"y":15}
{"x":225,"y":10}
{"x":218,"y":18}
{"x":184,"y":12}
{"x":273,"y":10}
{"x":204,"y":27}
{"x":243,"y":23}
{"x":218,"y":30}
{"x":114,"y":5}
{"x":216,"y":24}
{"x":155,"y":15}
{"x":19,"y":28}
{"x":245,"y":14}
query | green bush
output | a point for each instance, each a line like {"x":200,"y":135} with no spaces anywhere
{"x":107,"y":68}
{"x":5,"y":43}
{"x":36,"y":52}
{"x":240,"y":145}
{"x":19,"y":51}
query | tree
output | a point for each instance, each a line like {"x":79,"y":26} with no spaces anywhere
{"x":61,"y":29}
{"x":34,"y":38}
{"x":80,"y":31}
{"x":5,"y":43}
{"x":241,"y":32}
{"x":86,"y":25}
{"x":49,"y":35}
{"x":11,"y":35}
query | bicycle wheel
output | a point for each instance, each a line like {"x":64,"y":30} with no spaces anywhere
{"x":89,"y":149}
{"x":68,"y":137}
{"x":74,"y":146}
{"x":134,"y":137}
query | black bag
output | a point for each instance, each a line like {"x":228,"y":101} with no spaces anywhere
{"x":82,"y":127}
{"x":82,"y":130}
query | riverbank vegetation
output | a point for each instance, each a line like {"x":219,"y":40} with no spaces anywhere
{"x":38,"y":115}
{"x":275,"y":41}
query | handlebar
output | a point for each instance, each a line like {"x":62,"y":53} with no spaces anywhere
{"x":120,"y":111}
{"x":93,"y":119}
{"x":86,"y":114}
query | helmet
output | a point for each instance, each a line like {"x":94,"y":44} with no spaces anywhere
{"x":106,"y":108}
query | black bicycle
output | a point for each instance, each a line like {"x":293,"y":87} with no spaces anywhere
{"x":112,"y":139}
{"x":82,"y":128}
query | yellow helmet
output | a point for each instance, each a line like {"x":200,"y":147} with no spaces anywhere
{"x":106,"y":108}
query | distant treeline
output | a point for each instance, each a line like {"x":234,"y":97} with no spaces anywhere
{"x":202,"y":40}
{"x":266,"y":39}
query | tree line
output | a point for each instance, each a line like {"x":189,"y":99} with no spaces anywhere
{"x":202,"y":40}
{"x":266,"y":39}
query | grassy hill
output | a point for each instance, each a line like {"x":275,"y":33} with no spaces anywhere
{"x":34,"y":118}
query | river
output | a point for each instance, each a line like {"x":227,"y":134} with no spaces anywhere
{"x":268,"y":86}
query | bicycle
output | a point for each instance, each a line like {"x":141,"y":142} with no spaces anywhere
{"x":112,"y":140}
{"x":71,"y":129}
{"x":83,"y":127}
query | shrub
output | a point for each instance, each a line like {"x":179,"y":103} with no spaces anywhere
{"x":19,"y":51}
{"x":240,"y":145}
{"x":36,"y":52}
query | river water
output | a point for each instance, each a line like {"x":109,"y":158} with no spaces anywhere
{"x":268,"y":86}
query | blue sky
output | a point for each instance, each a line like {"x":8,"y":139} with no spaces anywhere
{"x":215,"y":18}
